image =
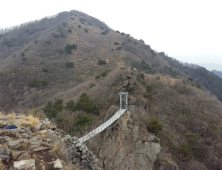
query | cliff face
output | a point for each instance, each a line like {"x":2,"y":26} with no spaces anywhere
{"x":125,"y":147}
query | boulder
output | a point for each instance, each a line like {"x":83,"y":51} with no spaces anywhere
{"x":24,"y":156}
{"x":26,"y":135}
{"x":15,"y":144}
{"x":24,"y":165}
{"x":16,"y":154}
{"x":58,"y":164}
{"x":4,"y":153}
{"x":6,"y":139}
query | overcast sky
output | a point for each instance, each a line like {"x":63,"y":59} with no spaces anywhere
{"x":188,"y":30}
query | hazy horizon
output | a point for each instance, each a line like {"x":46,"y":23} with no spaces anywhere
{"x":188,"y":31}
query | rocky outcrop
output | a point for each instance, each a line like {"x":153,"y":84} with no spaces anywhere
{"x":125,"y":147}
{"x":49,"y":146}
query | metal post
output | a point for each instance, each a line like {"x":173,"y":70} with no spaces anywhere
{"x":127,"y":100}
{"x":120,"y":95}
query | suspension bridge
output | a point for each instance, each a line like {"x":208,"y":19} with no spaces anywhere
{"x":102,"y":127}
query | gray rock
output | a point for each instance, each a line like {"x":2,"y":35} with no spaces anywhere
{"x":125,"y":83}
{"x":3,"y":124}
{"x":67,"y":138}
{"x":6,"y":138}
{"x":77,"y":154}
{"x":75,"y":141}
{"x":58,"y":164}
{"x":24,"y":156}
{"x":83,"y":147}
{"x":74,"y":150}
{"x":24,"y":165}
{"x":74,"y":160}
{"x":78,"y":144}
{"x":16,"y":154}
{"x":95,"y":160}
{"x":26,"y":135}
{"x":54,"y":136}
{"x":41,"y":126}
{"x":83,"y":157}
{"x":1,"y":140}
{"x":15,"y":144}
{"x":135,"y":133}
{"x":30,"y":130}
{"x":42,"y":149}
{"x":34,"y":142}
{"x":83,"y":151}
{"x":48,"y":140}
{"x":4,"y":153}
{"x":62,"y":140}
{"x":50,"y":131}
{"x":75,"y":138}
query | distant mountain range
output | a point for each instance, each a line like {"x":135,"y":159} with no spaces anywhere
{"x":211,"y":66}
{"x":218,"y":73}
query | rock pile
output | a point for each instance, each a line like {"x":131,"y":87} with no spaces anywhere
{"x":80,"y":154}
{"x":34,"y":147}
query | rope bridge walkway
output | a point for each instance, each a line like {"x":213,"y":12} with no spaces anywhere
{"x":108,"y":122}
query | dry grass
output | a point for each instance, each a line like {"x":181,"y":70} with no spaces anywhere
{"x":56,"y":148}
{"x":11,"y":115}
{"x":27,"y":119}
{"x":30,"y":119}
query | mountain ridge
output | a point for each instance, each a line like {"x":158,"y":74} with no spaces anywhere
{"x":60,"y":63}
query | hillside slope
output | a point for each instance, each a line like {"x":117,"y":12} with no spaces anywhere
{"x":38,"y":61}
{"x":200,"y":76}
